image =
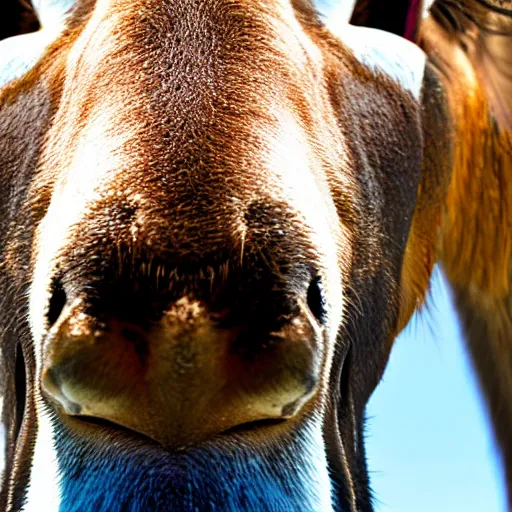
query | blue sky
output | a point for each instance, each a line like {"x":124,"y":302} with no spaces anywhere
{"x":429,"y":444}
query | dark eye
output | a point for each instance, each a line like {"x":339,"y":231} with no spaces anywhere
{"x":20,"y":382}
{"x":57,"y":302}
{"x":316,"y":300}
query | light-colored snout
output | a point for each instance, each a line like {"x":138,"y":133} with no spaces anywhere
{"x":186,"y":376}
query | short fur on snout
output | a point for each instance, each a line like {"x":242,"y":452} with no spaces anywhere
{"x":215,"y":218}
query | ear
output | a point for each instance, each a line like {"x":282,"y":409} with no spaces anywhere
{"x":341,"y":12}
{"x":470,"y":43}
{"x":464,"y":208}
{"x":52,"y":12}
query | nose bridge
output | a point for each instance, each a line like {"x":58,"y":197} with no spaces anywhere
{"x":178,"y":54}
{"x":158,"y":142}
{"x":165,"y":105}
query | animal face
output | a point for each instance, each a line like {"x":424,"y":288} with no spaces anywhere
{"x":213,"y":226}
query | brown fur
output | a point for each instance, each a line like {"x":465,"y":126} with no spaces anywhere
{"x":161,"y":117}
{"x":475,"y":244}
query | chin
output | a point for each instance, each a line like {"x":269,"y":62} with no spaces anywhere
{"x":119,"y":471}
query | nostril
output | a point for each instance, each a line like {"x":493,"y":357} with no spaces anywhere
{"x":139,"y":342}
{"x":316,"y":300}
{"x":57,"y":302}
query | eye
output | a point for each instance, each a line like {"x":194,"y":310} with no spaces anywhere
{"x":316,"y":300}
{"x":57,"y":302}
{"x":20,"y":381}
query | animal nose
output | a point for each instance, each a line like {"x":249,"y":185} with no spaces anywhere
{"x":185,"y":375}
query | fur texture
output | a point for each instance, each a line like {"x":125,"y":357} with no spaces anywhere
{"x":229,"y":180}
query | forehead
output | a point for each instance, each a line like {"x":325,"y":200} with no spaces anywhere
{"x":193,"y":58}
{"x":203,"y":28}
{"x":204,"y":85}
{"x":188,"y":109}
{"x":189,"y":77}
